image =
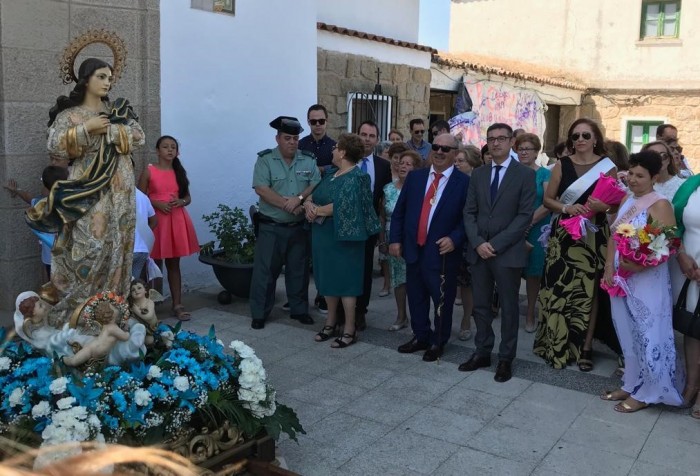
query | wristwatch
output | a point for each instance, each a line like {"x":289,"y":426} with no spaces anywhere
{"x":301,"y":198}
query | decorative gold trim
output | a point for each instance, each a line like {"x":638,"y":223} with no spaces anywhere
{"x":73,"y":149}
{"x":105,"y":37}
{"x":123,"y":145}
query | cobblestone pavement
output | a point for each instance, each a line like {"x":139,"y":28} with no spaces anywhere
{"x":369,"y":410}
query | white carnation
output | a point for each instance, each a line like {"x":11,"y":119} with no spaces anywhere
{"x":5,"y":363}
{"x":142,"y":397}
{"x":242,"y":350}
{"x":181,"y":383}
{"x":65,"y":403}
{"x":58,"y":386}
{"x":16,"y":397}
{"x":41,"y":409}
{"x":95,"y":422}
{"x":154,"y":372}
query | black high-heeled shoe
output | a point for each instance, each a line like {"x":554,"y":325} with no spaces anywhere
{"x":585,"y":361}
{"x":325,"y":334}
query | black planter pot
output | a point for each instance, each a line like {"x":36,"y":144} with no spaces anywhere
{"x":234,"y":278}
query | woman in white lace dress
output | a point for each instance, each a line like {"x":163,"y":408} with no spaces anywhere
{"x":643,"y":318}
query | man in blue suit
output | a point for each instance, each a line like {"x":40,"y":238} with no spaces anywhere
{"x":427,"y":230}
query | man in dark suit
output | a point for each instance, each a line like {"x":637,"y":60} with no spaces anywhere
{"x":499,"y":208}
{"x":379,"y":171}
{"x":428,"y":231}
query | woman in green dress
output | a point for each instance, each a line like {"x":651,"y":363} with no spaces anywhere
{"x":528,"y":146}
{"x":343,"y":217}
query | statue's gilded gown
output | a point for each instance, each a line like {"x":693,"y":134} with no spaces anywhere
{"x":94,"y":247}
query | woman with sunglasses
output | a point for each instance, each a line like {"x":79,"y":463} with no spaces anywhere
{"x":571,"y":306}
{"x":678,"y":159}
{"x":528,"y":147}
{"x":668,"y":182}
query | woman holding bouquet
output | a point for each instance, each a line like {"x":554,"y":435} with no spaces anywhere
{"x":569,"y":297}
{"x":643,"y":318}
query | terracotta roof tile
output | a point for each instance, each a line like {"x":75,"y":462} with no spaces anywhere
{"x":510,"y":69}
{"x":372,"y":37}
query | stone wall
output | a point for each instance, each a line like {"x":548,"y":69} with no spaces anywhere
{"x":682,"y":109}
{"x":341,"y":73}
{"x":34,"y":34}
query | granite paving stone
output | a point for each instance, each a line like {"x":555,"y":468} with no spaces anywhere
{"x":538,"y":419}
{"x":347,"y":431}
{"x":679,"y":426}
{"x":642,"y":468}
{"x":326,"y":392}
{"x":512,"y":443}
{"x":412,"y":388}
{"x":382,"y":407}
{"x":471,"y":403}
{"x":483,"y":381}
{"x":571,"y":459}
{"x":468,"y":461}
{"x":405,"y":450}
{"x":606,"y":436}
{"x":681,"y":455}
{"x":444,"y":425}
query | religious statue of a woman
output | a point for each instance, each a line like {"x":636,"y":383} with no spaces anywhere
{"x":93,"y":212}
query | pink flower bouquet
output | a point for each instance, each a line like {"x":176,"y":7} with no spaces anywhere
{"x":607,"y":190}
{"x":647,"y":246}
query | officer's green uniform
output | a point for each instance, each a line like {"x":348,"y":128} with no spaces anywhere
{"x":282,"y":239}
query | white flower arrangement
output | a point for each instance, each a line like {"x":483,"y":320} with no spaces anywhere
{"x":58,"y":386}
{"x":252,"y":380}
{"x":16,"y":397}
{"x":5,"y":363}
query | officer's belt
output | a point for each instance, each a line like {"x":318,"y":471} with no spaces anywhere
{"x":269,"y":221}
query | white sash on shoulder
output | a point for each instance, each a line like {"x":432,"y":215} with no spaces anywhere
{"x":584,"y":182}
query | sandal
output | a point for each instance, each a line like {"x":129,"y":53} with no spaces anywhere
{"x":615,"y":395}
{"x":323,"y":336}
{"x":180,"y":313}
{"x":695,"y":412}
{"x":585,"y":361}
{"x":339,"y":343}
{"x":624,"y":407}
{"x":397,"y":326}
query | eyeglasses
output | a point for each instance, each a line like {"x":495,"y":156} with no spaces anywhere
{"x":314,"y":122}
{"x":443,"y":148}
{"x":526,"y":149}
{"x":585,"y":135}
{"x":422,"y":131}
{"x":499,"y":139}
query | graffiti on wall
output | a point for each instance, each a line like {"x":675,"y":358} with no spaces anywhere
{"x":497,"y":102}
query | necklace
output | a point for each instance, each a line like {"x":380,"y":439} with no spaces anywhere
{"x":435,"y":189}
{"x":341,"y":172}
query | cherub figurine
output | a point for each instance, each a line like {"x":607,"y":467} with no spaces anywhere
{"x":142,"y":307}
{"x":99,"y":347}
{"x":35,"y":312}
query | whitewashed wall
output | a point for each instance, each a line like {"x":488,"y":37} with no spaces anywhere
{"x":396,"y":19}
{"x":223,"y":79}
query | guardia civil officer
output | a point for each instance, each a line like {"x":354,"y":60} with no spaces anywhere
{"x":283,"y":178}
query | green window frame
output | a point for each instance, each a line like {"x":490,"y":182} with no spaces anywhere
{"x":640,"y":133}
{"x":660,"y":19}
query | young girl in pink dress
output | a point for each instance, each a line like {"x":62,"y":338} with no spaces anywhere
{"x":167,"y":187}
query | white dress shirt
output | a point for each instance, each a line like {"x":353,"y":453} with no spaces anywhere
{"x":370,"y":170}
{"x":501,"y":173}
{"x":441,"y":186}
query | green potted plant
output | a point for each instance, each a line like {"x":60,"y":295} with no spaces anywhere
{"x":232,"y":260}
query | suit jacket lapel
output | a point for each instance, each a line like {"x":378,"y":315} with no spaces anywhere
{"x":507,"y":178}
{"x":449,"y":186}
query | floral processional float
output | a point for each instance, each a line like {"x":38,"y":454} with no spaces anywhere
{"x":104,"y":369}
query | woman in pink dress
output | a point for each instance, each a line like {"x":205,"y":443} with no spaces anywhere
{"x":167,"y":187}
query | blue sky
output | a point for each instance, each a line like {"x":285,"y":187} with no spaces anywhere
{"x":434,"y":25}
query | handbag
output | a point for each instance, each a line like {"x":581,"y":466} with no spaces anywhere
{"x":684,"y":321}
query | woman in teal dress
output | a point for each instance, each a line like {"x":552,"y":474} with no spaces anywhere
{"x":408,"y":161}
{"x":528,"y":147}
{"x":343,"y":217}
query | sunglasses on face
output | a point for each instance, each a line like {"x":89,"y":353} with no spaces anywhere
{"x":421,"y":131}
{"x":664,"y":155}
{"x":314,"y":122}
{"x":584,"y":135}
{"x":443,"y":148}
{"x":676,"y":148}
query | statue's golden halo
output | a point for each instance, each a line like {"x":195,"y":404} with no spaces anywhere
{"x":74,"y":48}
